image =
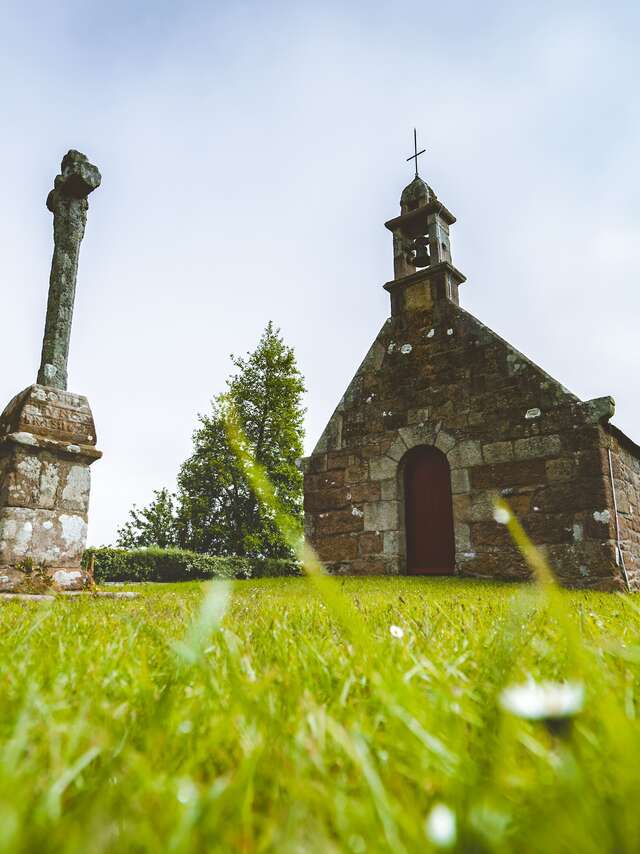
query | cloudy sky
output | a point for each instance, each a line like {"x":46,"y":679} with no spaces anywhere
{"x":250,"y":153}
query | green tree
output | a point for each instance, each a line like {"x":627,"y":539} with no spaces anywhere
{"x":155,"y":525}
{"x":218,"y":513}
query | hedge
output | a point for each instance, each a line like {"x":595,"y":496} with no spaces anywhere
{"x":156,"y":564}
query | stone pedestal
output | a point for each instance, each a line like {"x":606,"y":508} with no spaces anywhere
{"x":47,"y":443}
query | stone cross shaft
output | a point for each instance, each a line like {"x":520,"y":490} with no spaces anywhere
{"x":68,"y":204}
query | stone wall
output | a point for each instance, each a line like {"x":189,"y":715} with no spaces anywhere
{"x":436,"y":376}
{"x":625,"y":457}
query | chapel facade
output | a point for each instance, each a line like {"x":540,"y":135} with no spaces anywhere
{"x":443,"y":416}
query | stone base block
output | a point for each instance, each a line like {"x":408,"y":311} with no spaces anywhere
{"x":47,"y":443}
{"x":40,"y":580}
{"x":45,"y":537}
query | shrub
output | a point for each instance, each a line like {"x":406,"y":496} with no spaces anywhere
{"x":155,"y":564}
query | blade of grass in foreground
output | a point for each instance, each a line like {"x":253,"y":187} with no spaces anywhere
{"x":291,"y":529}
{"x":550,"y":591}
{"x":209,"y":618}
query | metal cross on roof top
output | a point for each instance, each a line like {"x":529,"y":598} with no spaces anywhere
{"x":416,"y":153}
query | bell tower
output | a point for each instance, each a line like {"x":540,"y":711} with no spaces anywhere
{"x":422,"y":268}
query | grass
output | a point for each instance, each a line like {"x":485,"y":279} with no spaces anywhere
{"x":250,"y":718}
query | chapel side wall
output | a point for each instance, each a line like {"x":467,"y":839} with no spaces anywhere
{"x":506,"y":427}
{"x":625,"y":458}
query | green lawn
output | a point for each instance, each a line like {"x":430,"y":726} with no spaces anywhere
{"x":299,"y":723}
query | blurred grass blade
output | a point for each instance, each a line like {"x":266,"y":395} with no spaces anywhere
{"x":356,"y":748}
{"x":545,"y":578}
{"x":66,"y":778}
{"x":292,"y":531}
{"x":533,"y":556}
{"x":206,"y":622}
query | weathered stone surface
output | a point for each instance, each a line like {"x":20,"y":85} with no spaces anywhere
{"x":497,"y":452}
{"x":48,"y":536}
{"x":418,"y":297}
{"x":508,"y":474}
{"x":393,"y":542}
{"x":463,"y":539}
{"x":381,"y":516}
{"x":367,"y":566}
{"x":343,"y":547}
{"x":460,"y":481}
{"x":316,"y":463}
{"x":328,"y":499}
{"x":397,"y":450}
{"x":337,"y":460}
{"x":371,"y":543}
{"x":466,"y":453}
{"x":390,"y":489}
{"x":418,"y":434}
{"x":68,"y":203}
{"x":444,"y":442}
{"x":40,"y":415}
{"x":417,"y":416}
{"x":383,"y":468}
{"x":357,"y":471}
{"x":325,"y":480}
{"x":47,"y":443}
{"x":537,"y":446}
{"x":461,"y":507}
{"x":338,"y":522}
{"x":561,"y":469}
{"x":364,"y":491}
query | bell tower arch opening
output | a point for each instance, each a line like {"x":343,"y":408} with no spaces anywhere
{"x":428,"y":512}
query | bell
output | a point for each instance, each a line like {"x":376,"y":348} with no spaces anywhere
{"x":421,"y":248}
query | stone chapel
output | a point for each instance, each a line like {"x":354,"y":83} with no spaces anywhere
{"x":441,"y":417}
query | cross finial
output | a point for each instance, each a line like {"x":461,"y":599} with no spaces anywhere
{"x":416,"y":153}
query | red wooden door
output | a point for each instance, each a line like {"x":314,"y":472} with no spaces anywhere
{"x":428,"y":513}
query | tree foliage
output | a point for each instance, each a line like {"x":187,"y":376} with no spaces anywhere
{"x":154,"y":525}
{"x":215,"y":510}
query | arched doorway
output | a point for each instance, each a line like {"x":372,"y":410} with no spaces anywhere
{"x":428,"y":512}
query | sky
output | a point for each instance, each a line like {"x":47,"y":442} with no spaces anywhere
{"x":250,"y":154}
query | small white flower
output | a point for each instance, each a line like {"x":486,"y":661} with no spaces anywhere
{"x":186,"y":791}
{"x":537,"y":701}
{"x":396,"y":632}
{"x":440,"y":826}
{"x":502,"y":515}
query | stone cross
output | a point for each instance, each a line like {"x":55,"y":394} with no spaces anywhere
{"x":68,"y":204}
